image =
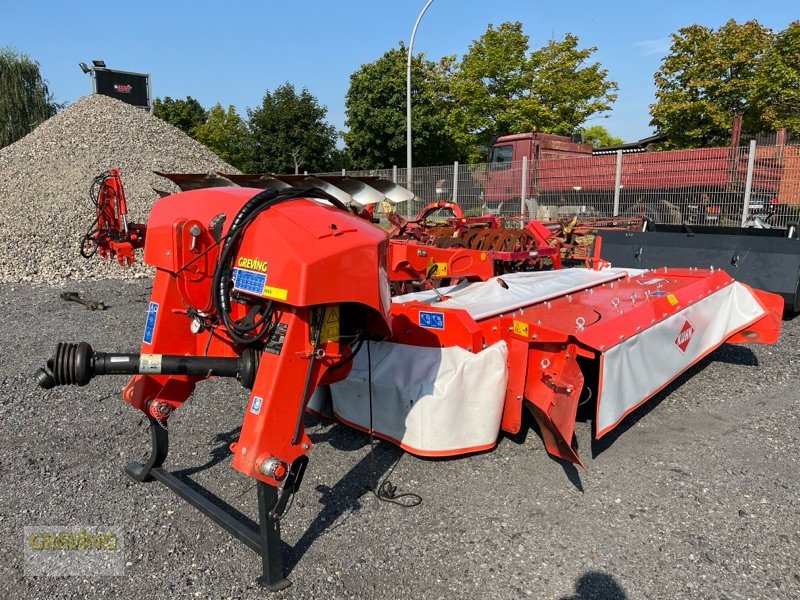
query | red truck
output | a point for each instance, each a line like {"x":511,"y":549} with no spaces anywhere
{"x":565,"y":175}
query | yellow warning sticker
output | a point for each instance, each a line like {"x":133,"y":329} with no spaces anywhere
{"x":274,"y":292}
{"x":672,"y":299}
{"x":330,"y":324}
{"x":441,"y":269}
{"x":521,"y":328}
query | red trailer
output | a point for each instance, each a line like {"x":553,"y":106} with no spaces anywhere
{"x":564,"y":171}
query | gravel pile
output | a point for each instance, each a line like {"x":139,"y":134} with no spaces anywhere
{"x":45,"y":179}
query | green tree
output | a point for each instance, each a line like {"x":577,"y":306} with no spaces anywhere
{"x":290,"y":133}
{"x":375,"y":106}
{"x":186,"y":115}
{"x":501,"y":87}
{"x":25,"y":100}
{"x":599,"y":137}
{"x":706,"y":78}
{"x":225,"y":133}
{"x":567,"y":87}
{"x":491,"y":89}
{"x":777,"y":81}
{"x":341,"y":159}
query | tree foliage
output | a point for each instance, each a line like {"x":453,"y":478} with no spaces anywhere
{"x":491,"y":88}
{"x":375,"y":106}
{"x":341,"y":159}
{"x":599,"y":137}
{"x":289,"y":133}
{"x":777,"y":81}
{"x":567,"y":87}
{"x":501,"y":86}
{"x":226,"y":134}
{"x":186,"y":114}
{"x":710,"y":75}
{"x":25,"y":100}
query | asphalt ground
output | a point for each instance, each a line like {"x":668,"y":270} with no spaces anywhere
{"x":696,"y":495}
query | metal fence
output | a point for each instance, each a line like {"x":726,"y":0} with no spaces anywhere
{"x":749,"y":184}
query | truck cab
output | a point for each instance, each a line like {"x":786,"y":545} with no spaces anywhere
{"x":503,"y":178}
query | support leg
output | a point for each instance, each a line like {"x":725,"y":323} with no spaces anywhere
{"x":271,"y":551}
{"x":266,"y":541}
{"x":159,"y":442}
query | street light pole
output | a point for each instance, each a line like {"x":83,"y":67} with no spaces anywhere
{"x":408,"y":106}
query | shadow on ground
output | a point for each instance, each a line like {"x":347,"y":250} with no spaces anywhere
{"x":594,"y":585}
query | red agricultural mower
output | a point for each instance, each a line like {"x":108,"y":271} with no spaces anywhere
{"x":281,"y":287}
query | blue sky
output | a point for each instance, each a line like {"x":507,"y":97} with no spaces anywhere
{"x":232,"y":52}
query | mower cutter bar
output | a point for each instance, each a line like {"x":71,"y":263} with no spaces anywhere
{"x":615,"y":336}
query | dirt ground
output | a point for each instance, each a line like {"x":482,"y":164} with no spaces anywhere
{"x":696,"y":495}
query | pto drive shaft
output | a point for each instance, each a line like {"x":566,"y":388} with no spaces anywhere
{"x":77,"y":364}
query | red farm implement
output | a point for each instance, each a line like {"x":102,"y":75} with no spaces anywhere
{"x":281,"y":287}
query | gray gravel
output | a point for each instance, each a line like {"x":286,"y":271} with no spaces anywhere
{"x":45,"y":179}
{"x":697,"y":497}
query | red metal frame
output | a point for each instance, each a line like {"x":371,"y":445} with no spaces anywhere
{"x":412,"y":261}
{"x":304,"y":249}
{"x":418,"y":226}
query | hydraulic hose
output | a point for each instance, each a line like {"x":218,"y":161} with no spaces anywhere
{"x":239,"y":332}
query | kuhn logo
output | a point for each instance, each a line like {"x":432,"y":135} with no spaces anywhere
{"x":123,"y":89}
{"x":685,"y":336}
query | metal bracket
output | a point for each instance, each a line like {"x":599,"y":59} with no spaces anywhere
{"x":264,"y":541}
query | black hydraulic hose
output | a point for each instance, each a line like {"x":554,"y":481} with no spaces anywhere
{"x":221,"y":277}
{"x":220,"y":284}
{"x":88,"y":240}
{"x":353,"y":351}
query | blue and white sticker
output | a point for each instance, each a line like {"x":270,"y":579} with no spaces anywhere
{"x":150,"y":323}
{"x":255,"y":407}
{"x":249,"y":281}
{"x":431,"y":320}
